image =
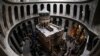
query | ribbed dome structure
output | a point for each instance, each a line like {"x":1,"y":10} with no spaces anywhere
{"x":48,"y":0}
{"x":68,"y":26}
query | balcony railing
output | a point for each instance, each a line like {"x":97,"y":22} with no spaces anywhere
{"x":12,"y":13}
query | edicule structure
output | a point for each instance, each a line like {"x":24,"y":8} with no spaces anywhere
{"x":49,"y":35}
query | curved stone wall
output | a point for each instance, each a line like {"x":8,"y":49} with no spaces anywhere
{"x":11,"y":13}
{"x":19,"y":31}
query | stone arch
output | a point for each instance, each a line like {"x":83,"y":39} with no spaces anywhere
{"x":29,"y":25}
{"x":19,"y":31}
{"x":55,"y":8}
{"x":81,"y":10}
{"x":68,"y":9}
{"x":24,"y":29}
{"x":66,"y":25}
{"x":60,"y":21}
{"x":61,"y":8}
{"x":75,"y":11}
{"x":22,"y":11}
{"x":28,"y":9}
{"x":16,"y":12}
{"x":48,"y":7}
{"x":41,"y":6}
{"x":35,"y":10}
{"x":87,"y":13}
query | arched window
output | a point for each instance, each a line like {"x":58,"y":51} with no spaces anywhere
{"x":60,"y":21}
{"x":16,"y":12}
{"x":20,"y":32}
{"x":42,"y":6}
{"x":10,"y":15}
{"x":80,"y":15}
{"x":30,"y":24}
{"x":67,"y":9}
{"x":22,"y":11}
{"x":28,"y":9}
{"x":55,"y":8}
{"x":36,"y":21}
{"x":66,"y":25}
{"x":75,"y":11}
{"x":4,"y":16}
{"x":61,"y":8}
{"x":35,"y":10}
{"x":48,"y":7}
{"x":24,"y":27}
{"x":87,"y":13}
{"x":54,"y":20}
{"x":30,"y":30}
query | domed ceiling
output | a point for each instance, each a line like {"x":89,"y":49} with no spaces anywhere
{"x":48,"y":0}
{"x":60,"y":0}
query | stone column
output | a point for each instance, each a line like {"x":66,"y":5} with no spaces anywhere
{"x":33,"y":25}
{"x":2,"y":26}
{"x":83,"y":13}
{"x":45,"y":6}
{"x":13,"y":15}
{"x":38,"y":7}
{"x":31,"y":10}
{"x":57,"y":19}
{"x":15,"y":41}
{"x":51,"y":8}
{"x":71,"y":10}
{"x":25,"y":12}
{"x":13,"y":47}
{"x":7,"y":17}
{"x":58,"y":8}
{"x":64,"y":9}
{"x":78,"y":12}
{"x":19,"y":13}
{"x":63,"y":22}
